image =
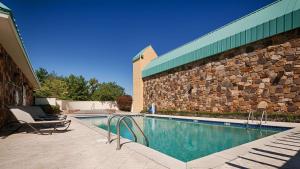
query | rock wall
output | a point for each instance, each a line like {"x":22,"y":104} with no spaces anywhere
{"x":266,"y":72}
{"x":12,"y":84}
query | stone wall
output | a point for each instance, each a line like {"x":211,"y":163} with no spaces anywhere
{"x":12,"y":83}
{"x":267,"y":71}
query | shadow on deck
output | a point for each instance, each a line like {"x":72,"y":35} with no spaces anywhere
{"x":282,"y":153}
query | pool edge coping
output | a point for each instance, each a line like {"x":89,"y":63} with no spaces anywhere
{"x":153,"y":155}
{"x":219,"y":158}
{"x":225,"y":120}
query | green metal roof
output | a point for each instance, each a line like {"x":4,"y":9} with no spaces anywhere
{"x":278,"y":17}
{"x":3,"y":7}
{"x":137,"y":56}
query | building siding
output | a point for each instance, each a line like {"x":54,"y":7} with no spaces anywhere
{"x":233,"y":81}
{"x":148,"y":54}
{"x":215,"y":42}
{"x":12,"y":81}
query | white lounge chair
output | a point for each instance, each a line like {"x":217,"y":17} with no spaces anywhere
{"x":38,"y":113}
{"x":25,"y":119}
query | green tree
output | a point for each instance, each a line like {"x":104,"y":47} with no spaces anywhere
{"x":53,"y":87}
{"x":42,"y":74}
{"x":109,"y":91}
{"x":77,"y":88}
{"x":93,"y":85}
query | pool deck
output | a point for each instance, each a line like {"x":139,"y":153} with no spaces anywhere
{"x":84,"y":146}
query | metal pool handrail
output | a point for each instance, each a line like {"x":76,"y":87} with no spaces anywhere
{"x":135,"y":123}
{"x":250,"y":115}
{"x":108,"y":126}
{"x":264,"y":114}
{"x":132,"y":133}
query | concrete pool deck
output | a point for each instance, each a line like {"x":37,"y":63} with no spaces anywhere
{"x":84,"y":146}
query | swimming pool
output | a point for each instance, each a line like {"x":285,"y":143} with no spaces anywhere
{"x":186,"y":139}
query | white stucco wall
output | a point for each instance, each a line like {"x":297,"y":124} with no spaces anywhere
{"x":77,"y":105}
{"x":88,"y":105}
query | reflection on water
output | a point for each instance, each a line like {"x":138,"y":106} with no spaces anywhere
{"x":152,"y":124}
{"x":185,"y":140}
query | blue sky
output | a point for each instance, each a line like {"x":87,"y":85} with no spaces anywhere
{"x":99,"y":38}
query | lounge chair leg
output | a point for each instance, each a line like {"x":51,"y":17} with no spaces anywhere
{"x":54,"y":128}
{"x":68,"y":123}
{"x":36,"y":130}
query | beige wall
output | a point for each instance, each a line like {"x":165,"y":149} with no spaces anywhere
{"x":138,"y":65}
{"x":77,"y":105}
{"x":87,"y":105}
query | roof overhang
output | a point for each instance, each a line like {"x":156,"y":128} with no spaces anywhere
{"x":11,"y":41}
{"x":275,"y":18}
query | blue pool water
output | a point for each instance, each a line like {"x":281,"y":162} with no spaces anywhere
{"x":188,"y":140}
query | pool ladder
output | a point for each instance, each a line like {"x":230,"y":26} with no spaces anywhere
{"x":250,"y":116}
{"x":263,"y":115}
{"x":122,"y":120}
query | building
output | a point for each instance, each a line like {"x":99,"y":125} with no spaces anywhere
{"x":140,"y":60}
{"x":17,"y":78}
{"x":252,"y":60}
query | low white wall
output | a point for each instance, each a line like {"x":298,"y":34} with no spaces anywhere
{"x":77,"y":105}
{"x":61,"y":104}
{"x":88,"y":105}
{"x":45,"y":101}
